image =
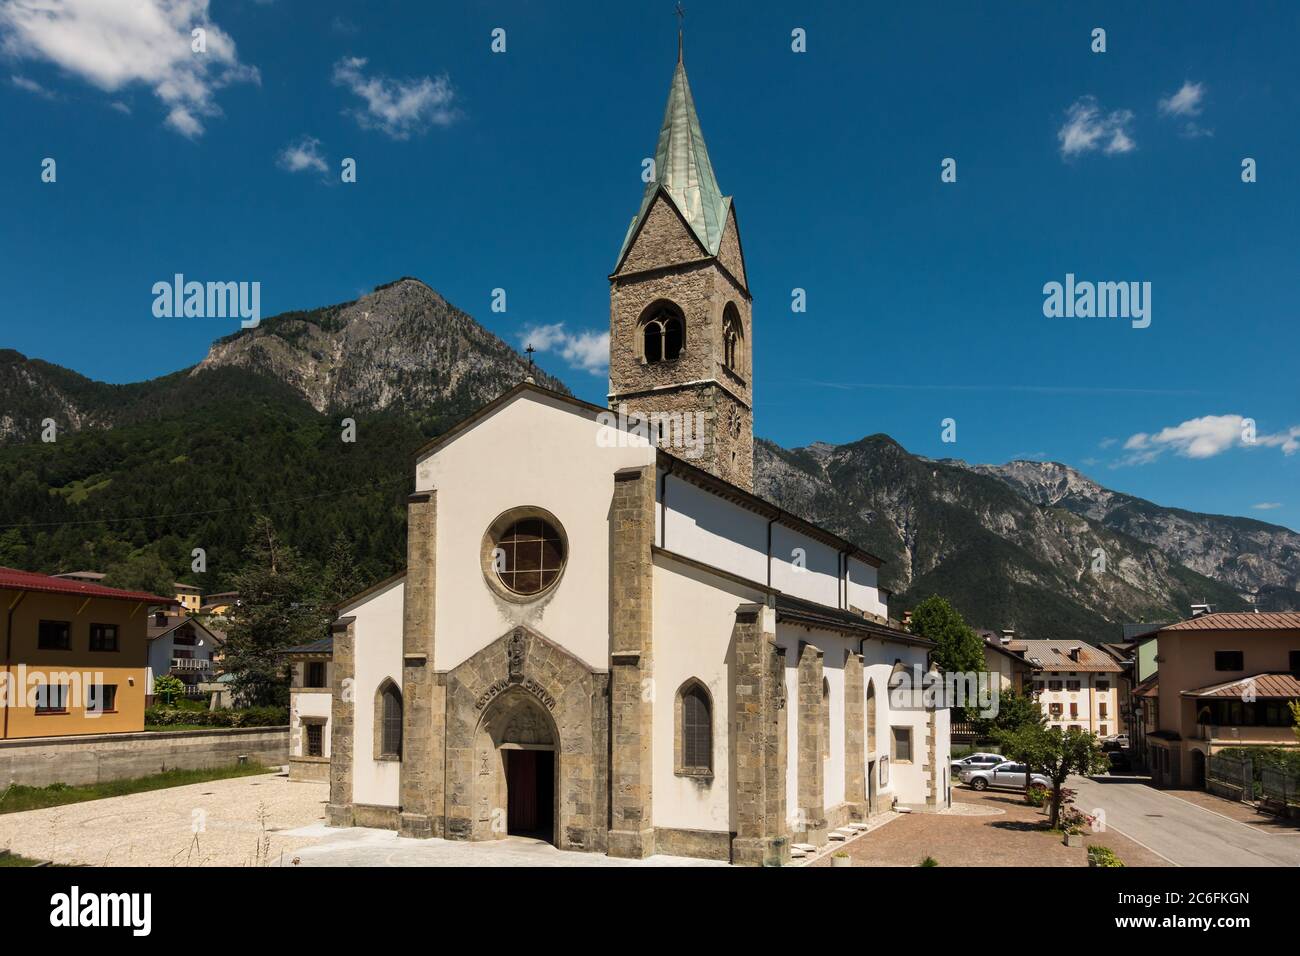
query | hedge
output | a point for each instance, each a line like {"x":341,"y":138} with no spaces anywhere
{"x":248,"y":717}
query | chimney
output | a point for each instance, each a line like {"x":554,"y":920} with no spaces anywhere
{"x":1008,"y":635}
{"x":1199,"y":610}
{"x":907,"y":620}
{"x":1076,"y":653}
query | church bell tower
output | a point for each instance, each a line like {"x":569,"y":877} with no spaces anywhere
{"x":680,"y":315}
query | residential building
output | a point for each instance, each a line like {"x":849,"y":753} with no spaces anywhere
{"x":220,"y":604}
{"x":1224,"y":681}
{"x":1013,"y":671}
{"x":1076,"y":684}
{"x":310,"y":704}
{"x":75,"y":657}
{"x":189,"y":597}
{"x":602,"y":636}
{"x":185,"y":647}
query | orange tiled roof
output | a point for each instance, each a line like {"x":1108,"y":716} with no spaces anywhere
{"x":1055,"y":656}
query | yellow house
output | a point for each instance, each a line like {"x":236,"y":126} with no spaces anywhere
{"x":75,"y":656}
{"x":188,"y":597}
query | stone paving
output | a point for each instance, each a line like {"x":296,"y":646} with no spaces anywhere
{"x":993,"y":828}
{"x":262,"y":820}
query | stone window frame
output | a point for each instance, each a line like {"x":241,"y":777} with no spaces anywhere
{"x":679,"y":728}
{"x":893,"y":744}
{"x":306,"y":671}
{"x":304,"y":747}
{"x":378,"y":752}
{"x":653,"y":314}
{"x":499,"y":525}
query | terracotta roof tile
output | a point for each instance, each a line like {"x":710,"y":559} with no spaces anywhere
{"x":1240,"y":621}
{"x":16,"y":580}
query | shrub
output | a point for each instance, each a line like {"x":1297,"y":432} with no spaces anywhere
{"x":249,"y":717}
{"x":1037,"y":796}
{"x":1103,"y":856}
{"x":929,"y":861}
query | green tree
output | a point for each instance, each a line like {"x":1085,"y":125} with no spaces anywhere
{"x":168,"y":687}
{"x":1295,"y":716}
{"x":342,"y":577}
{"x":278,"y":608}
{"x":959,"y":648}
{"x":1055,"y":753}
{"x":1014,"y":711}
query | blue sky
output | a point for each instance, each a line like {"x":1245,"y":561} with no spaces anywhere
{"x":520,"y":170}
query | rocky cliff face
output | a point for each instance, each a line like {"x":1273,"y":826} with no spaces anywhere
{"x":1005,"y":559}
{"x":402,"y":346}
{"x":1261,"y":560}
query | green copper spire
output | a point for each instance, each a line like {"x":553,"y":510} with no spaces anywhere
{"x":683,"y":171}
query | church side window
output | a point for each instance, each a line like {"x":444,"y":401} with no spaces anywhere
{"x":695,"y":729}
{"x":826,"y":718}
{"x":390,"y":721}
{"x":871,"y":716}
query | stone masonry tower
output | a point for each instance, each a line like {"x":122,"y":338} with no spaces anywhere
{"x":680,"y":315}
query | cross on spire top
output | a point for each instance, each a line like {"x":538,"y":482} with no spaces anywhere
{"x":680,"y":12}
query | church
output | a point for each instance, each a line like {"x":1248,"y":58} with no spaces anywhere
{"x":603,"y":638}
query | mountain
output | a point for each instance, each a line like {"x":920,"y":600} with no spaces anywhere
{"x":1260,"y":560}
{"x":401,"y":347}
{"x":1002,"y":558}
{"x":142,"y":474}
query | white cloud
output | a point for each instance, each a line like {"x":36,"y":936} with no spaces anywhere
{"x":588,"y":351}
{"x":1267,"y":505}
{"x":398,"y":107}
{"x":31,"y":86}
{"x":1205,"y":437}
{"x":113,"y":44}
{"x":1087,"y":128}
{"x":302,"y":155}
{"x":1186,"y":102}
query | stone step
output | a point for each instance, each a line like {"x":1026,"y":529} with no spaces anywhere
{"x":796,"y":854}
{"x":858,"y":827}
{"x":803,"y":847}
{"x":838,"y":836}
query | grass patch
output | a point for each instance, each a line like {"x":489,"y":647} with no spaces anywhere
{"x":17,"y":798}
{"x":13,"y":859}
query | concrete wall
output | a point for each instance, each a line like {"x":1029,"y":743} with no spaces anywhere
{"x":378,"y":628}
{"x":39,"y":762}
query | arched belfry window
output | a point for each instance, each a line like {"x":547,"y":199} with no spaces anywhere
{"x":733,"y":341}
{"x":388,"y":722}
{"x":663,"y":333}
{"x":694,"y":741}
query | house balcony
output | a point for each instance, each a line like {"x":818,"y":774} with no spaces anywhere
{"x":189,"y":665}
{"x":1229,"y":736}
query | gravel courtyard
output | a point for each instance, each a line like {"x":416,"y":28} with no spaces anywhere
{"x":236,"y":822}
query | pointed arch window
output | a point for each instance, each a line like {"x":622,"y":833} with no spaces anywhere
{"x":694,"y":743}
{"x":388,"y":722}
{"x":663,"y":333}
{"x":732,"y":339}
{"x":871,"y":716}
{"x":826,"y":718}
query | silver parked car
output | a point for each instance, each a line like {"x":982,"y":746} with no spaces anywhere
{"x":1007,"y":775}
{"x":977,"y":761}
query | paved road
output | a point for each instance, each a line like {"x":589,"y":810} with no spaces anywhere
{"x":1180,"y":831}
